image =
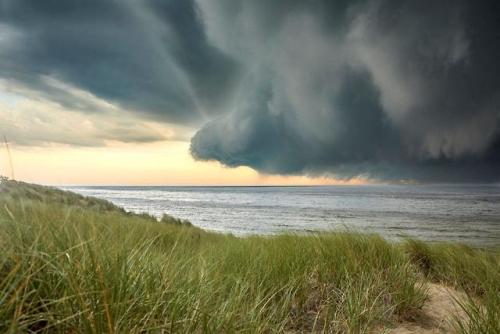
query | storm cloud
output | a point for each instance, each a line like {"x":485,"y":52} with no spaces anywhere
{"x":150,"y":56}
{"x":382,"y":89}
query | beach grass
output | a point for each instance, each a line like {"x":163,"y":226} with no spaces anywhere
{"x":72,"y":264}
{"x":474,"y":271}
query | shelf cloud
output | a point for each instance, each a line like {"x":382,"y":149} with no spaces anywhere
{"x":389,"y":90}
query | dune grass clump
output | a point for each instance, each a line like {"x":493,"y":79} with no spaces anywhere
{"x":168,"y":219}
{"x":71,"y":264}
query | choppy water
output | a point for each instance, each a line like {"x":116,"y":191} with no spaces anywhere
{"x":468,"y":214}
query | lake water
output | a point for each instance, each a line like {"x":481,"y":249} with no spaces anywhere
{"x":468,"y":214}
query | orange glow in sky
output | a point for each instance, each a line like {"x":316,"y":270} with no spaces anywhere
{"x":161,"y":163}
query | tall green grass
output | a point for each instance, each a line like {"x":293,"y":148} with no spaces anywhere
{"x":475,"y":271}
{"x":70,"y":264}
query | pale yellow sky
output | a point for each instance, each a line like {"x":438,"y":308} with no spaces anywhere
{"x":160,"y":163}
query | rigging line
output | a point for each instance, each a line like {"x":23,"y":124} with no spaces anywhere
{"x":10,"y":158}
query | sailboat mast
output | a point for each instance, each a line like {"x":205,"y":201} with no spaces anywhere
{"x":10,"y":158}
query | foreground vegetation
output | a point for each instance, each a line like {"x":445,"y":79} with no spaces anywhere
{"x":70,"y":264}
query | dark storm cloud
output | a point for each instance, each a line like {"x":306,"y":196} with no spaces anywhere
{"x":378,"y":88}
{"x":383,"y":89}
{"x":151,"y":56}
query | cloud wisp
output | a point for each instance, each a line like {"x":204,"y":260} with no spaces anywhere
{"x":374,"y":88}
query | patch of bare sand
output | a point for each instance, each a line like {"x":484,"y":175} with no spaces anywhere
{"x":436,"y":315}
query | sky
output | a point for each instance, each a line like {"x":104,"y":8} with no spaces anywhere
{"x":236,"y":92}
